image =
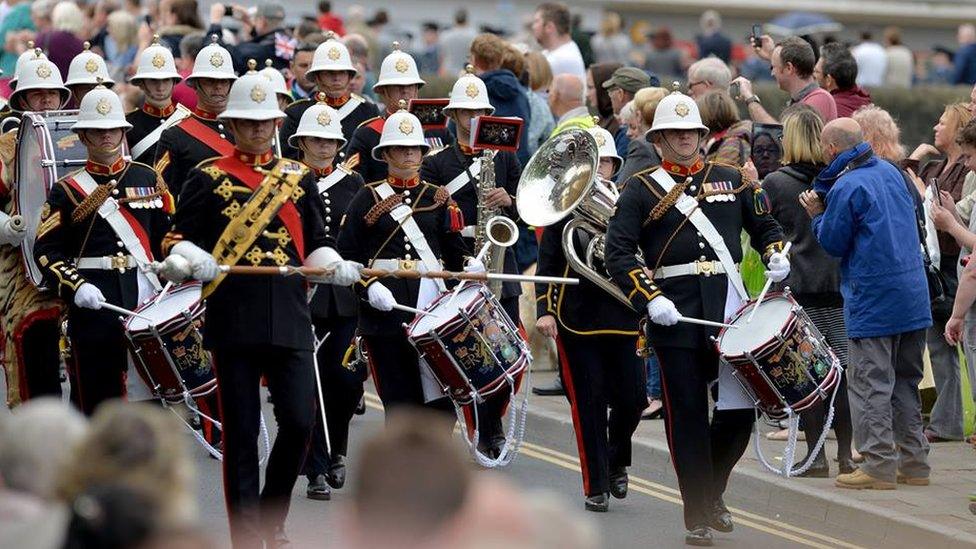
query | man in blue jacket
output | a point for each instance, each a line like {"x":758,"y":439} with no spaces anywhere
{"x":869,"y":222}
{"x":505,"y":93}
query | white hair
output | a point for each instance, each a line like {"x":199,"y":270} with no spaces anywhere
{"x":627,"y":111}
{"x":35,"y":443}
{"x":711,"y":69}
{"x":67,"y":16}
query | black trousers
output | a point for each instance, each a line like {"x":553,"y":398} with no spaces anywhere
{"x":100,"y":362}
{"x":395,"y":367}
{"x":601,"y":372}
{"x":703,"y":453}
{"x":291,"y":382}
{"x":341,"y":389}
{"x":41,"y":358}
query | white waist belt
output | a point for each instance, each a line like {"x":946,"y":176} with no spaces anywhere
{"x":695,"y":268}
{"x":119,"y":263}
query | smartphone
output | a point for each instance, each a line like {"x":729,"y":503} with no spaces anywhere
{"x":229,"y":11}
{"x":936,"y":195}
{"x":734,"y":90}
{"x":757,"y":34}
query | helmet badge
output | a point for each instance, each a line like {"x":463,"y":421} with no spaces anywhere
{"x":216,"y":60}
{"x":472,"y":90}
{"x":323,"y":119}
{"x":44,"y":70}
{"x":682,"y":110}
{"x":401,"y":65}
{"x":91,"y":66}
{"x":405,"y":127}
{"x":258,"y":94}
{"x":158,"y":61}
{"x":103,"y":107}
{"x":334,"y":53}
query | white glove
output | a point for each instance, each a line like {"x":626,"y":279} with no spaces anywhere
{"x":12,"y":229}
{"x":175,"y":268}
{"x":380,"y":297}
{"x":474,"y":265}
{"x":204,"y":265}
{"x":88,"y":296}
{"x":778,"y":267}
{"x":662,"y":311}
{"x":344,"y":273}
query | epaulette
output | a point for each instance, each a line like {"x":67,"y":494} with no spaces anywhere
{"x":201,"y":164}
{"x":375,"y":124}
{"x":147,"y":166}
{"x":435,"y":152}
{"x":296,"y":102}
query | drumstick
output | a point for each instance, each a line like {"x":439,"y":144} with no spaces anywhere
{"x":163,"y":292}
{"x":127,"y":312}
{"x":690,"y":320}
{"x":404,"y":308}
{"x":318,"y":387}
{"x":766,"y":287}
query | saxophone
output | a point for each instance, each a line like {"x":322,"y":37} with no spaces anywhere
{"x":494,"y":256}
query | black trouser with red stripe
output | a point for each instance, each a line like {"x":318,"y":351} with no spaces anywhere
{"x":40,"y":357}
{"x":395,"y":367}
{"x":600,"y":372}
{"x":100,"y":363}
{"x":703,"y":454}
{"x":291,"y":382}
{"x":341,"y":390}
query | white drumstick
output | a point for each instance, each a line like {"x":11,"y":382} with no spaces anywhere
{"x":701,"y":322}
{"x":460,"y":286}
{"x":127,"y":312}
{"x":163,"y":292}
{"x":410,"y":309}
{"x":766,"y":287}
{"x":318,"y":388}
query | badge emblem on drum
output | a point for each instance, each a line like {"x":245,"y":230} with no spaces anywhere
{"x":402,"y":65}
{"x":682,"y":110}
{"x":44,"y":70}
{"x":323,"y":119}
{"x":217,"y":60}
{"x":103,"y":107}
{"x":91,"y":66}
{"x":258,"y":94}
{"x":158,"y":61}
{"x":472,"y":90}
{"x":334,"y":53}
{"x":406,"y":127}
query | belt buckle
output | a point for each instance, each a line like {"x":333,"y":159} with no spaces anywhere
{"x":408,"y":264}
{"x":120,"y":263}
{"x":705,"y":268}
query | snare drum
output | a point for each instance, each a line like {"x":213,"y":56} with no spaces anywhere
{"x":780,"y":358}
{"x":47,"y":150}
{"x":471,"y":345}
{"x":168,"y":350}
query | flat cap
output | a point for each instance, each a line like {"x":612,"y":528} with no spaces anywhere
{"x":629,"y":79}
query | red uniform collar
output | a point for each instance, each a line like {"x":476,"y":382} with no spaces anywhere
{"x":678,"y":169}
{"x":95,"y":168}
{"x":334,"y":102}
{"x":157,"y":112}
{"x":254,"y":159}
{"x":206,"y":115}
{"x":322,"y":172}
{"x":398,"y":183}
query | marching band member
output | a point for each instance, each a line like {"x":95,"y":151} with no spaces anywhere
{"x":398,"y":81}
{"x":98,"y":227}
{"x":251,"y":208}
{"x":597,"y":340}
{"x":203,"y":135}
{"x":29,"y":318}
{"x":281,"y":91}
{"x":457,"y":168}
{"x":331,"y":71}
{"x":156,"y":76}
{"x":399,"y":222}
{"x":686,"y":217}
{"x":334,"y":308}
{"x":29,"y":54}
{"x":86,"y":71}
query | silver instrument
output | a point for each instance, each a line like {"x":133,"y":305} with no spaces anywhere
{"x":561,"y":179}
{"x":492,"y":256}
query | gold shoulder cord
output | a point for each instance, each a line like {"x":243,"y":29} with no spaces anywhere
{"x":244,"y":228}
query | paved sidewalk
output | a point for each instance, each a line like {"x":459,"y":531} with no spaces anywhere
{"x":932,"y":517}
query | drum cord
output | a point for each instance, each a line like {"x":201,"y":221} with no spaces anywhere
{"x":216,"y":453}
{"x":794,"y":420}
{"x":518,"y":414}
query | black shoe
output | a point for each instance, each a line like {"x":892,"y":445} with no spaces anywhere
{"x":818,"y":469}
{"x":318,"y":488}
{"x":699,"y":536}
{"x":337,"y":472}
{"x":618,"y":482}
{"x":278,"y":540}
{"x":556,"y":389}
{"x":361,"y":407}
{"x":721,"y":518}
{"x":599,"y":503}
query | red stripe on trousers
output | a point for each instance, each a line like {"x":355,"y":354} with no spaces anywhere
{"x":571,"y":393}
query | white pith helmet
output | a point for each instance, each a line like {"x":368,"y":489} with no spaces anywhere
{"x":88,"y":68}
{"x":469,"y":92}
{"x":156,"y":63}
{"x":214,"y":62}
{"x":398,"y":69}
{"x":251,"y":97}
{"x":401,"y":129}
{"x":319,"y":120}
{"x":101,"y":109}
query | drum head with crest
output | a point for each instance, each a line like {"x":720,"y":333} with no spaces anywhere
{"x":771,"y":320}
{"x":171,"y":306}
{"x":47,"y":150}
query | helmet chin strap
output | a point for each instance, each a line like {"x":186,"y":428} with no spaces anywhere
{"x":676,"y":154}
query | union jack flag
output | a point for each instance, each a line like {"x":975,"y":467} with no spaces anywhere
{"x":285,"y":46}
